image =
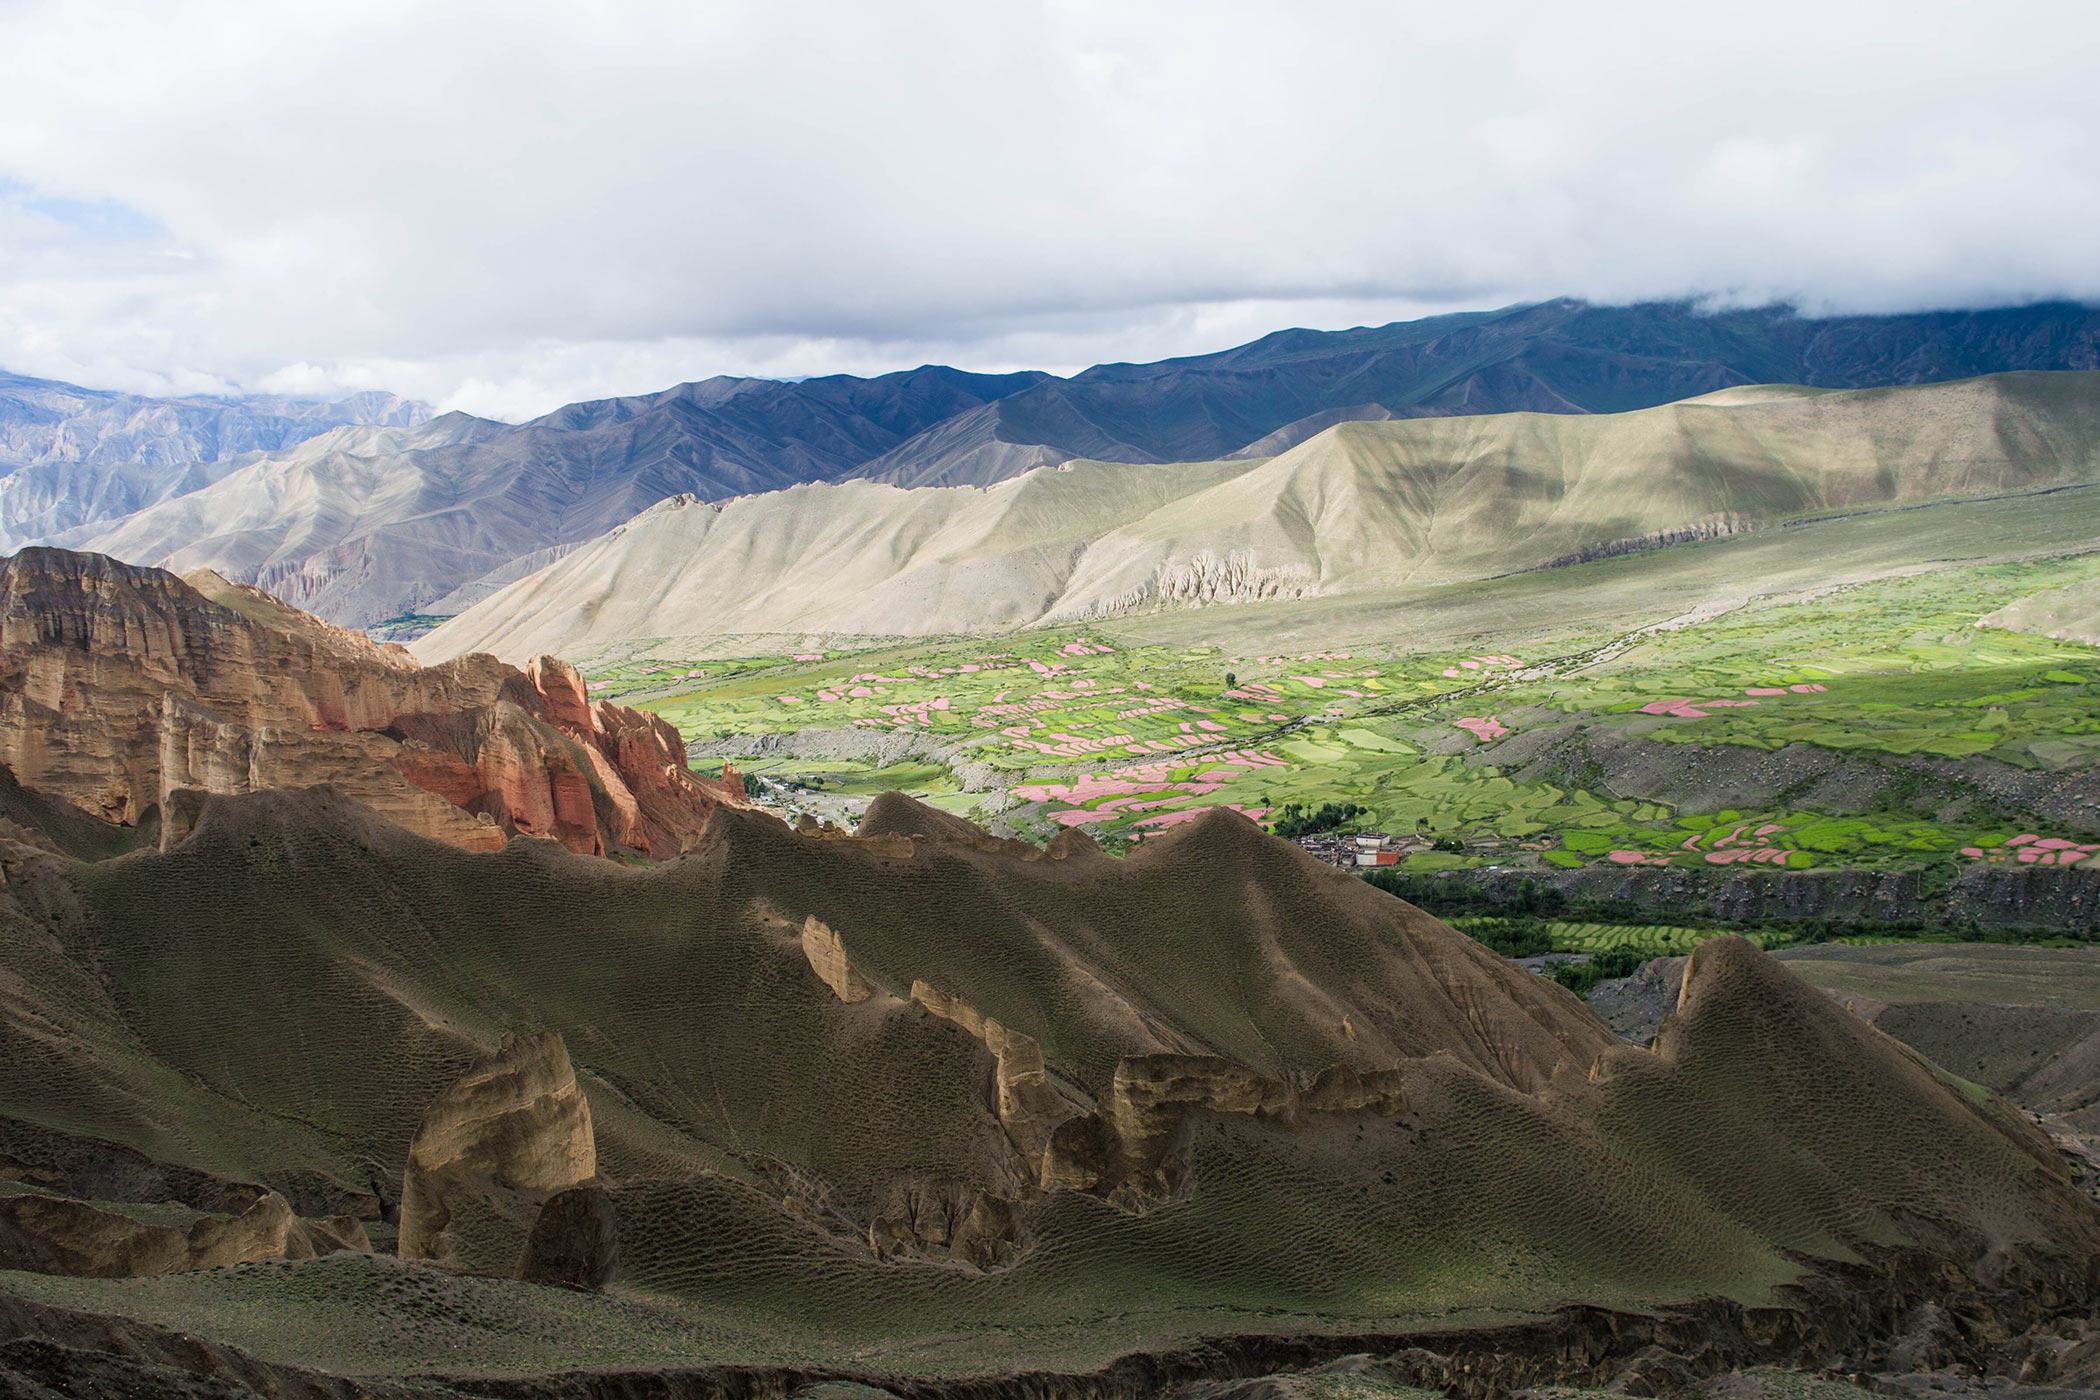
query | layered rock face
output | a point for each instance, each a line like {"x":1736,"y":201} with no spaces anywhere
{"x":122,"y":686}
{"x":490,"y":1152}
{"x":54,"y":1235}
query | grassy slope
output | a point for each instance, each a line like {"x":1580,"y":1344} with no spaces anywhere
{"x":2023,"y":1021}
{"x":2071,"y":613}
{"x":2057,"y":979}
{"x":429,"y":952}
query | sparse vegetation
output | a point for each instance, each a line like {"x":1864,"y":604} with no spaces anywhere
{"x":1513,"y":938}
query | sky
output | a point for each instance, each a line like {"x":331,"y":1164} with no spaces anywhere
{"x":502,"y":208}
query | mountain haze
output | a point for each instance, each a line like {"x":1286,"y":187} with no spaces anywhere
{"x":1360,"y":506}
{"x":71,"y":456}
{"x":43,"y":420}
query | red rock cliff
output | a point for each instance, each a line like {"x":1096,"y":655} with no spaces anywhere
{"x":120,"y":685}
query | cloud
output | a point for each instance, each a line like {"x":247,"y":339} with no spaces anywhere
{"x":504,"y":207}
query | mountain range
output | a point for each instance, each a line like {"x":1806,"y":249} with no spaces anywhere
{"x":1359,"y":507}
{"x":433,"y":516}
{"x":71,"y":457}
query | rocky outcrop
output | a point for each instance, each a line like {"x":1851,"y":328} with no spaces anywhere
{"x":827,"y":958}
{"x":990,"y":1235}
{"x":490,"y":1151}
{"x":202,"y":754}
{"x":1717,"y":527}
{"x":122,"y":686}
{"x":1201,"y":580}
{"x":575,"y":1242}
{"x":57,"y":1235}
{"x":1127,"y":1151}
{"x":1030,"y":1107}
{"x":1635,"y":1006}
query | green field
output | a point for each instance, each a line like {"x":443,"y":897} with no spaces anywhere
{"x":1889,"y":720}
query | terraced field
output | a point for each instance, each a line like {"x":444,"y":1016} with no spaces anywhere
{"x":1580,"y":936}
{"x":1828,"y":714}
{"x":1065,"y":728}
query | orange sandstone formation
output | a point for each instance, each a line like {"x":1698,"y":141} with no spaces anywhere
{"x":121,"y":686}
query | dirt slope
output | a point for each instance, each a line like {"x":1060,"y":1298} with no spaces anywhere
{"x":866,"y":1093}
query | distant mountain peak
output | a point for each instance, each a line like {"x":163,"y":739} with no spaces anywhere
{"x":379,"y":533}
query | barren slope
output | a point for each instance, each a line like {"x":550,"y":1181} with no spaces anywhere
{"x":868,"y":1095}
{"x":362,"y":529}
{"x":1359,"y":507}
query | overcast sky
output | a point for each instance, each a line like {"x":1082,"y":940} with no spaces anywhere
{"x":503,"y":207}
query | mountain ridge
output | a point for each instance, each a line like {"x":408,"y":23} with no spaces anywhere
{"x":1360,"y":506}
{"x":1562,"y":356}
{"x":400,"y":532}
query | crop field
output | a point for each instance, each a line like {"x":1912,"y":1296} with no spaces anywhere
{"x":1482,"y":747}
{"x":1580,"y":937}
{"x":1076,"y":726}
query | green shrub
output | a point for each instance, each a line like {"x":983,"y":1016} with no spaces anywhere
{"x":1607,"y":966}
{"x":1512,"y":938}
{"x":1294,"y":821}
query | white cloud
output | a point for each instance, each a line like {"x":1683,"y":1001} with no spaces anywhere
{"x":503,"y":207}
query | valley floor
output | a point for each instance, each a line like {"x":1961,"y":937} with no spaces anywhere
{"x":1539,"y":723}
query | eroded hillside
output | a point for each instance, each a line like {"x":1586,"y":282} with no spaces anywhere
{"x":130,"y":693}
{"x":847,"y":1093}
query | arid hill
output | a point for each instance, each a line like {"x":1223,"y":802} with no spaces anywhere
{"x":1358,"y":508}
{"x":361,"y":526}
{"x":128,"y":691}
{"x":921,"y":1101}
